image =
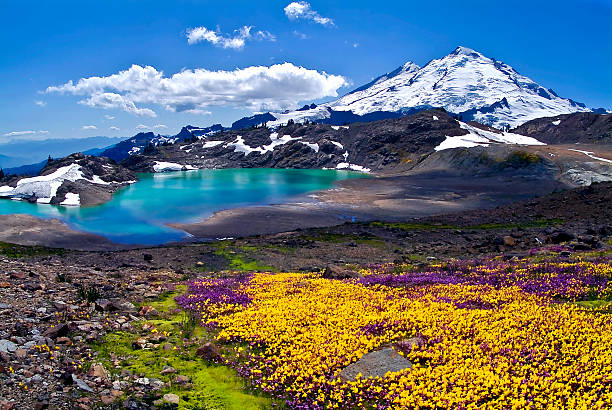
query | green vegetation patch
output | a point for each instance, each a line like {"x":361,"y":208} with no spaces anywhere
{"x":21,"y":251}
{"x":209,"y":386}
{"x":241,"y":258}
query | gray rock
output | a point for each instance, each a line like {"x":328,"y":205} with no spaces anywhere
{"x":5,"y":306}
{"x":6,"y":346}
{"x":171,"y":398}
{"x":81,"y":384}
{"x":376,"y":364}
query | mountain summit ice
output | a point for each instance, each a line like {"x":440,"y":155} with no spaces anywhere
{"x":465,"y":83}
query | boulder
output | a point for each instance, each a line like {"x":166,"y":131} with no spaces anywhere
{"x":509,"y":241}
{"x":56,"y":331}
{"x":376,"y":364}
{"x":210,"y":353}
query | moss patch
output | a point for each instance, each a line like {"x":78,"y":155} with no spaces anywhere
{"x":20,"y":251}
{"x":210,"y":386}
{"x":241,"y":258}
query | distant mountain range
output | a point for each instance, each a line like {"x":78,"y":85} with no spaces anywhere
{"x":20,"y":153}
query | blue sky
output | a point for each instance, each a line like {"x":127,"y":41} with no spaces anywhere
{"x":565,"y":45}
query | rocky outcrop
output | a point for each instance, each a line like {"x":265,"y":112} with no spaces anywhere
{"x":76,"y":180}
{"x":373,"y":146}
{"x":581,"y":127}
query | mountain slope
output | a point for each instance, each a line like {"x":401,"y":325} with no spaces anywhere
{"x":583,"y":127}
{"x":465,"y":83}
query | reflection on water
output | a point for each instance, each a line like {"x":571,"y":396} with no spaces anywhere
{"x":138,"y":213}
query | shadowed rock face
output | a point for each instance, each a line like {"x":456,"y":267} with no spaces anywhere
{"x":380,"y":145}
{"x":98,"y":178}
{"x":582,"y":127}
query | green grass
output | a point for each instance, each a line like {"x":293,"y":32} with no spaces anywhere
{"x":20,"y":251}
{"x":241,"y":258}
{"x":407,"y":226}
{"x":211,"y":386}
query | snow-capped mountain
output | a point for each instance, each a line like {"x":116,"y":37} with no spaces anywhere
{"x":465,"y":83}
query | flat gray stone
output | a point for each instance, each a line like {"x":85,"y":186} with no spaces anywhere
{"x":376,"y":364}
{"x":81,"y":384}
{"x":6,"y":346}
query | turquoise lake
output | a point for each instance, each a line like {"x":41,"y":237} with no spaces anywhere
{"x":137,"y":214}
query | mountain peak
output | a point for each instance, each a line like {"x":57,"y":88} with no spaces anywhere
{"x":466,"y":51}
{"x":410,"y":66}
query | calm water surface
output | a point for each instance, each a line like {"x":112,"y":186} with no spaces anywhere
{"x":138,"y":214}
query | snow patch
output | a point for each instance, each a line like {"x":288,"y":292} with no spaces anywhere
{"x":435,"y":118}
{"x":557,"y":122}
{"x":71,"y":200}
{"x":161,"y":166}
{"x":352,"y":167}
{"x":337,"y":144}
{"x":313,"y":146}
{"x":211,"y":144}
{"x":590,"y":155}
{"x":337,"y":127}
{"x":480,"y":137}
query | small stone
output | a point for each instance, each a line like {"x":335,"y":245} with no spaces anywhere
{"x":509,"y":241}
{"x":168,"y":370}
{"x":105,"y":305}
{"x":56,"y":331}
{"x":97,"y":370}
{"x":6,"y":346}
{"x":106,"y":400}
{"x":81,"y":384}
{"x":21,"y":353}
{"x":5,"y":306}
{"x":148,"y":311}
{"x":171,"y":398}
{"x":63,"y":341}
{"x":180,"y":379}
{"x":143,"y":381}
{"x":147,"y":257}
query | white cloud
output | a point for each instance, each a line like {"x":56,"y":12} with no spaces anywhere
{"x":43,"y":132}
{"x":235,"y":41}
{"x":40,"y":103}
{"x":302,"y":10}
{"x":113,"y":100}
{"x":109,"y":117}
{"x":300,"y":35}
{"x":259,"y":88}
{"x":355,"y":45}
{"x":19,"y":133}
{"x":151,"y":127}
{"x":89,"y":127}
{"x":114,"y":128}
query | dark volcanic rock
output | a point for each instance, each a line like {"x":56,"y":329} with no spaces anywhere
{"x":391,"y":144}
{"x":582,"y":127}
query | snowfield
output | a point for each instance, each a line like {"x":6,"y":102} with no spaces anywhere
{"x":480,"y":137}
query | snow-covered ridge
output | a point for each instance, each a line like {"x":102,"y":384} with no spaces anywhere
{"x":44,"y":187}
{"x":480,"y":137}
